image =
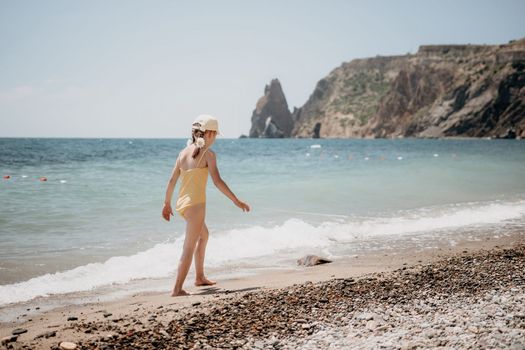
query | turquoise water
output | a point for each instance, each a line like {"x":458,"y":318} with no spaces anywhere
{"x":96,"y":220}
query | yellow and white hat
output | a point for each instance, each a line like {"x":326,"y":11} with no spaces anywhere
{"x":206,"y":122}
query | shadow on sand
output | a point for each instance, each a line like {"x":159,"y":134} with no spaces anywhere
{"x":216,"y":290}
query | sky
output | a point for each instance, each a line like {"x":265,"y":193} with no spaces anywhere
{"x":146,"y":69}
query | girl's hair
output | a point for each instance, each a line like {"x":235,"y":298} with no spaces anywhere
{"x":196,"y":133}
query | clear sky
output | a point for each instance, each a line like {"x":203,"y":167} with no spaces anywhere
{"x":148,"y":68}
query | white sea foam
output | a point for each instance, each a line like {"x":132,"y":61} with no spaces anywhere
{"x":118,"y":269}
{"x":254,"y":242}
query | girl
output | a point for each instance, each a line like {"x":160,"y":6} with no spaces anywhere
{"x":192,"y":165}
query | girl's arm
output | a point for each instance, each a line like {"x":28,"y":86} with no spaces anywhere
{"x":220,"y":184}
{"x":166,"y":210}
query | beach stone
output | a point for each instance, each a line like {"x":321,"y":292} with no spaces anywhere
{"x":258,"y":344}
{"x":46,"y":335}
{"x":9,"y":339}
{"x":239,"y":342}
{"x":473,"y":329}
{"x":430,"y":333}
{"x":19,"y":331}
{"x":365,"y":316}
{"x":312,"y":260}
{"x":274,"y":342}
{"x":66,"y":345}
{"x":72,"y":318}
{"x":371,"y":325}
{"x":107,"y":314}
{"x":109,"y":336}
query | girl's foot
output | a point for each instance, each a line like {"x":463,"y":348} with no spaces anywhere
{"x":204,"y":282}
{"x":180,"y":293}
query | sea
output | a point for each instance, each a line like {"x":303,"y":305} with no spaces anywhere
{"x":83,"y":216}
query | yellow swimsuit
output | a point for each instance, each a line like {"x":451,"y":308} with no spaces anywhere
{"x":192,"y":189}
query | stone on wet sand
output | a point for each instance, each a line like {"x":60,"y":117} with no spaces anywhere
{"x":312,"y":260}
{"x":9,"y":339}
{"x":19,"y":331}
{"x":46,"y":335}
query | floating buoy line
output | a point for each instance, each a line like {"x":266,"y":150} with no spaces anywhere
{"x":41,"y":178}
{"x":322,"y":154}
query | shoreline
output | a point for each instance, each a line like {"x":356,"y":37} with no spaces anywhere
{"x":144,"y":308}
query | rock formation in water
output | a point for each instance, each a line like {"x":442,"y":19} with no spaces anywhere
{"x":271,"y":117}
{"x":442,"y":90}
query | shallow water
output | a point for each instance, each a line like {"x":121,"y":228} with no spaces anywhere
{"x":96,"y":220}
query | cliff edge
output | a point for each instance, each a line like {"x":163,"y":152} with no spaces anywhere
{"x":442,"y":90}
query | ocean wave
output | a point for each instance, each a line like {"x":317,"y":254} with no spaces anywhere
{"x":252,"y":242}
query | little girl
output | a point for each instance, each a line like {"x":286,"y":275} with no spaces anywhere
{"x":192,"y":165}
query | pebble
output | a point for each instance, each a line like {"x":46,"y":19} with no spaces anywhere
{"x":66,"y":345}
{"x":473,"y":329}
{"x":371,"y":325}
{"x":366,"y":316}
{"x":19,"y":331}
{"x":109,"y":336}
{"x":9,"y":339}
{"x":46,"y":335}
{"x":312,"y":260}
{"x":258,"y":344}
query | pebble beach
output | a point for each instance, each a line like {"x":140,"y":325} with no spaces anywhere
{"x":472,"y":298}
{"x":362,"y":187}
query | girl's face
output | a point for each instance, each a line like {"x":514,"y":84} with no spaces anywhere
{"x":209,"y":137}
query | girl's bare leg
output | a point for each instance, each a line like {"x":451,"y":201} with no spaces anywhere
{"x":200,"y":252}
{"x":194,"y":216}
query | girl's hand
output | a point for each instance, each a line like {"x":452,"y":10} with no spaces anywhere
{"x":245,"y":207}
{"x":167,"y":211}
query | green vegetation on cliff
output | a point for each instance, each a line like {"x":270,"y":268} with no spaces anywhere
{"x":443,"y":90}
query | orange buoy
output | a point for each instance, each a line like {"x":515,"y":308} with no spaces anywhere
{"x":7,"y":177}
{"x":43,"y":178}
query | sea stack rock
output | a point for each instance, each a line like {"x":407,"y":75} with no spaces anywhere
{"x":271,"y":117}
{"x":316,"y":132}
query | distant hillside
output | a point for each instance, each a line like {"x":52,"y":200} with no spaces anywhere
{"x":442,"y":90}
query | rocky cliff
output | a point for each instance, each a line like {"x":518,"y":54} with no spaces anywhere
{"x":442,"y":90}
{"x":271,"y":117}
